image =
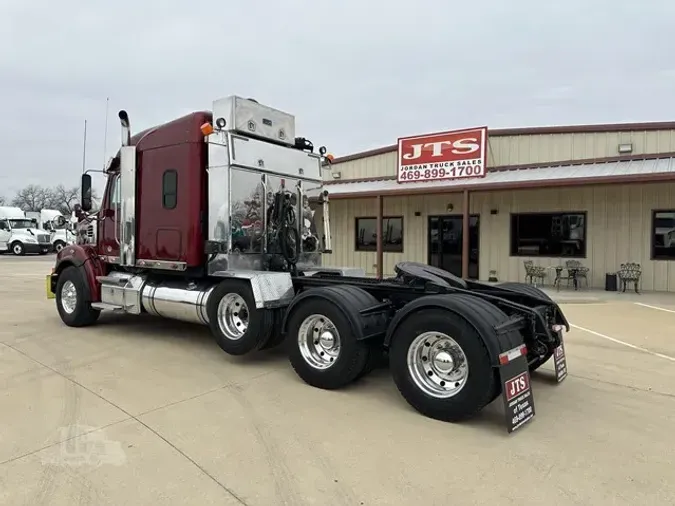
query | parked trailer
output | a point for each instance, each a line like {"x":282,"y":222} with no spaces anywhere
{"x":220,"y":218}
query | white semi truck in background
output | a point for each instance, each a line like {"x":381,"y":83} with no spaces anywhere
{"x":56,"y":224}
{"x":20,"y":234}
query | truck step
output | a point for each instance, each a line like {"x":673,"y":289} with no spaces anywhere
{"x":113,"y":280}
{"x":106,"y":307}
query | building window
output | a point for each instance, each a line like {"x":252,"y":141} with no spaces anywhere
{"x":663,"y":235}
{"x":548,"y":235}
{"x":169,"y":189}
{"x":392,"y":234}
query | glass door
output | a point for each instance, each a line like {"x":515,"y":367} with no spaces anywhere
{"x":445,"y":243}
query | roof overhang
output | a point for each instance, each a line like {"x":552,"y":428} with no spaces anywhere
{"x":629,"y":171}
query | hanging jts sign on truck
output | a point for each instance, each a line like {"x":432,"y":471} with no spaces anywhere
{"x":442,"y":156}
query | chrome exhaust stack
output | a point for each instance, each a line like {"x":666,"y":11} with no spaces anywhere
{"x":126,"y":128}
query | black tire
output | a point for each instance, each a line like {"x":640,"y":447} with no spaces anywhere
{"x":482,"y":384}
{"x":276,"y":337}
{"x":82,"y":315}
{"x":527,"y":289}
{"x":354,"y":357}
{"x":376,"y":360}
{"x":18,"y":248}
{"x":260,"y":322}
{"x":59,"y":245}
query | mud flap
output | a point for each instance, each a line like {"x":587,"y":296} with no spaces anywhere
{"x":517,"y":395}
{"x":560,"y":361}
{"x":48,"y":283}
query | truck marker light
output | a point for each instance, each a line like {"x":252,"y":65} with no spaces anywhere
{"x":207,"y":129}
{"x":512,"y":354}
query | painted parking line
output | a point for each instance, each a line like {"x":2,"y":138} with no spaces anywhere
{"x":617,"y":341}
{"x":22,"y":276}
{"x":655,"y":307}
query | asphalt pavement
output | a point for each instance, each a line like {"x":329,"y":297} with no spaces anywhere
{"x":139,"y":411}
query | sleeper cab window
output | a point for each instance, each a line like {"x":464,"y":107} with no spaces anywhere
{"x":169,"y":189}
{"x":392,"y":234}
{"x":549,"y":234}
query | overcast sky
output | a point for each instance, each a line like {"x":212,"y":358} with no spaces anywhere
{"x":356,"y":73}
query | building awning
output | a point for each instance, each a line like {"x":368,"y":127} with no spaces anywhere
{"x":628,"y":171}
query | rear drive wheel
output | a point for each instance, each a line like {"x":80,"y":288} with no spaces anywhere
{"x":527,"y":289}
{"x":72,"y":299}
{"x":236,"y":324}
{"x":276,"y":336}
{"x":18,"y":248}
{"x":441,"y":365}
{"x":323,"y":349}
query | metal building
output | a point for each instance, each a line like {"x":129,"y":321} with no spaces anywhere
{"x":603,"y":195}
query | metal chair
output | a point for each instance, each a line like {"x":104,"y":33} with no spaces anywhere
{"x":630,"y":272}
{"x":576,"y":272}
{"x":534,"y":272}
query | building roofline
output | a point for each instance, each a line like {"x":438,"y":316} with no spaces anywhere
{"x":521,"y":185}
{"x":542,"y":130}
{"x":538,"y":165}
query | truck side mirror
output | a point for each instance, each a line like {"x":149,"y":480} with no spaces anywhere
{"x":86,"y":192}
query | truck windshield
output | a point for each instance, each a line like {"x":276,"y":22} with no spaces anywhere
{"x":22,"y":223}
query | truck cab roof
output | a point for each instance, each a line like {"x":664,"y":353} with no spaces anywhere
{"x":181,"y":130}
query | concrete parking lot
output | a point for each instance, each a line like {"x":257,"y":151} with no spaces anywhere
{"x":140,"y":411}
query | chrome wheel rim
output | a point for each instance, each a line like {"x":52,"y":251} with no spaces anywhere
{"x":233,"y":316}
{"x":58,"y":247}
{"x":17,"y":249}
{"x":437,"y":365}
{"x":68,"y":297}
{"x":319,"y":341}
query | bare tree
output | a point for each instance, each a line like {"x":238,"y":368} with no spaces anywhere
{"x":33,"y":198}
{"x":2,"y":200}
{"x":65,"y":198}
{"x":36,"y":197}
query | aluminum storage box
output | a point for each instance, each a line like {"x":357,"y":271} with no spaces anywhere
{"x":255,"y":120}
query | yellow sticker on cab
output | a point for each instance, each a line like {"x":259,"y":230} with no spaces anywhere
{"x":50,"y":294}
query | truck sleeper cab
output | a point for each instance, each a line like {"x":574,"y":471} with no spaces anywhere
{"x":20,"y":235}
{"x":220,"y":218}
{"x":53,"y":222}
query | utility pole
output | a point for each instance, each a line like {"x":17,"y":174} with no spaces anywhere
{"x":84,"y":148}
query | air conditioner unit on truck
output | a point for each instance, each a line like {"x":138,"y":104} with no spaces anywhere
{"x":220,"y":218}
{"x":20,"y":234}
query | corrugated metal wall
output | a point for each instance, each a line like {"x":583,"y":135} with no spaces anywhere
{"x":619,"y":228}
{"x":527,"y":149}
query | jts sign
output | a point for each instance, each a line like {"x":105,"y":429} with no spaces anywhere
{"x":448,"y":155}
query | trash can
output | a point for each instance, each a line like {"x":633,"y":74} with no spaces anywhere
{"x":611,"y":284}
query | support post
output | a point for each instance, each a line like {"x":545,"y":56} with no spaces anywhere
{"x":379,"y":255}
{"x":465,"y":234}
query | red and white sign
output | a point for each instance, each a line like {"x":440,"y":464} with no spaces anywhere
{"x":447,"y":155}
{"x":517,"y":386}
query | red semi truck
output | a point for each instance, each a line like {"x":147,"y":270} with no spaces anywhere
{"x":220,"y":218}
